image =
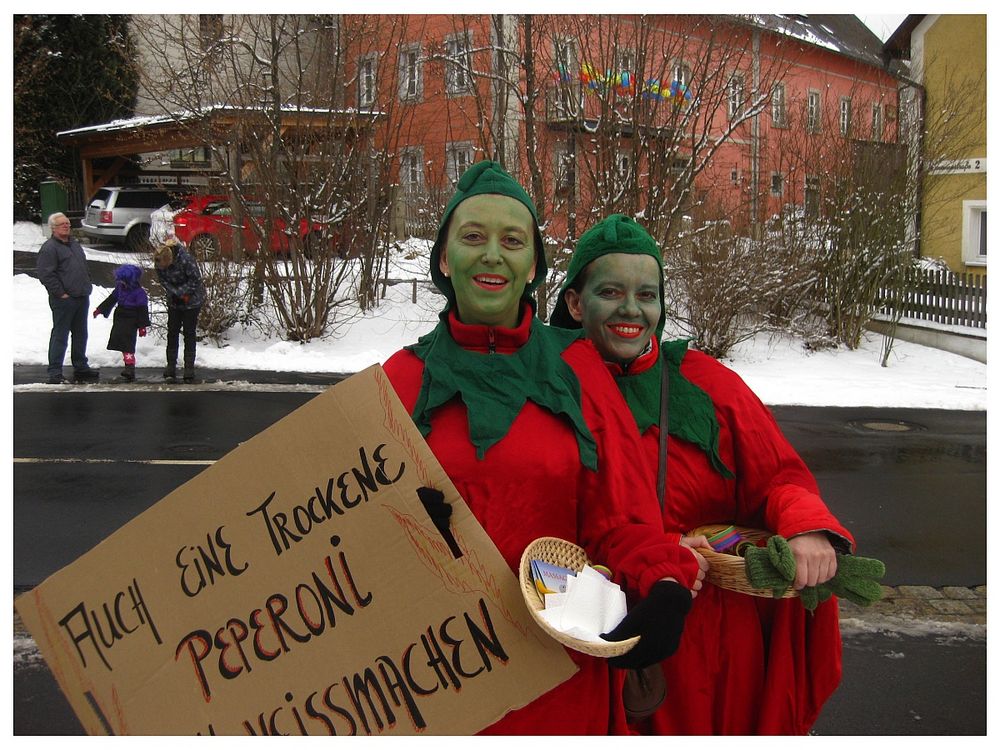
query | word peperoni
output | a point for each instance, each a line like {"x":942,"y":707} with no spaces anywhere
{"x":355,"y":485}
{"x":271,"y":630}
{"x":375,"y":698}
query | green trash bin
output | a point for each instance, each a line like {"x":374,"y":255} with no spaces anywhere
{"x":53,"y":198}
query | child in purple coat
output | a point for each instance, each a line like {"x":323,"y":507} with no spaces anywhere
{"x":131,"y":315}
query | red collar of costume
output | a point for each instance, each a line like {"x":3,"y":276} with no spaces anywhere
{"x":640,"y":364}
{"x":483,"y":339}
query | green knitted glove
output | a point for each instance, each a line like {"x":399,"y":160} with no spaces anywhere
{"x":813,"y":596}
{"x":863,"y":593}
{"x":782,"y":557}
{"x":851,"y":568}
{"x":766,"y":567}
{"x":857,"y":578}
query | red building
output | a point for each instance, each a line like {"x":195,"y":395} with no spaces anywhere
{"x":663,"y":117}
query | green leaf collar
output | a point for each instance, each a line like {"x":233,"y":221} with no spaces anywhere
{"x":691,"y":415}
{"x":495,"y":387}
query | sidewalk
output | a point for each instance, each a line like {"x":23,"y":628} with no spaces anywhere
{"x":145,"y":376}
{"x":950,"y":604}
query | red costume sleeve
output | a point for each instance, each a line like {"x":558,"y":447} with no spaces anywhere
{"x":620,"y":518}
{"x":773,"y":483}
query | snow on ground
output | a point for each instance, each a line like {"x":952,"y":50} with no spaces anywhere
{"x":944,"y":633}
{"x":778,"y":368}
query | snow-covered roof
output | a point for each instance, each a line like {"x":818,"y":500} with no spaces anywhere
{"x":147,"y":121}
{"x":841,"y":33}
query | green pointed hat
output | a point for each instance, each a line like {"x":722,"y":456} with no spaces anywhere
{"x":485,"y":178}
{"x":615,"y":234}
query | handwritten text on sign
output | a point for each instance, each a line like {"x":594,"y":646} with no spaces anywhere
{"x":297,"y":587}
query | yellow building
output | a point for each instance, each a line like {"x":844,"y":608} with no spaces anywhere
{"x":947,"y":56}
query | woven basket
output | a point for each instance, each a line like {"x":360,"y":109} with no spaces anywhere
{"x":728,"y":571}
{"x":568,"y":555}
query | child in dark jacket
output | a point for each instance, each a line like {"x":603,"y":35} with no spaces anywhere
{"x":131,"y":315}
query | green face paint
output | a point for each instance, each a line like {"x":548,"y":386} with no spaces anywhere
{"x":619,"y":304}
{"x":490,"y":257}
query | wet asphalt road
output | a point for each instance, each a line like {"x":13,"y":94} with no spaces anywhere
{"x":908,"y":495}
{"x":914,"y":498}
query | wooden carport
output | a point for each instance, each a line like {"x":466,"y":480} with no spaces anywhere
{"x":120,"y":139}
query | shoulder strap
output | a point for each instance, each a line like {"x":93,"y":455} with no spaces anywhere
{"x":661,"y":474}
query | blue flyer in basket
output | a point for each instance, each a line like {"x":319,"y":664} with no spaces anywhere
{"x":549,"y":578}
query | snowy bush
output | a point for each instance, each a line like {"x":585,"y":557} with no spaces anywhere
{"x":718,"y":286}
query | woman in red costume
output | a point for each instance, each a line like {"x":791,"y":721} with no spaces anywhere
{"x":529,"y":425}
{"x":746,"y":665}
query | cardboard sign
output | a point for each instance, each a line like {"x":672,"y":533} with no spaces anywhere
{"x":298,"y":586}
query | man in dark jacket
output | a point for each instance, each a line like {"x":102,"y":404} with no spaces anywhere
{"x":62,"y":269}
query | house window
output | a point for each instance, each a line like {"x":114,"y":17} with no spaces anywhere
{"x":210,"y":29}
{"x":680,"y":165}
{"x":845,"y":116}
{"x":410,"y":74}
{"x":625,"y":61}
{"x":777,"y":184}
{"x":734,"y":176}
{"x":811,"y":197}
{"x":366,"y":81}
{"x":564,"y":168}
{"x":190,"y":156}
{"x":876,"y":122}
{"x":411,"y":171}
{"x":459,"y":158}
{"x":812,"y":111}
{"x":458,"y":70}
{"x":567,"y":90}
{"x":682,"y":74}
{"x":778,"y":105}
{"x":565,"y":60}
{"x":974,"y":233}
{"x":735,"y":97}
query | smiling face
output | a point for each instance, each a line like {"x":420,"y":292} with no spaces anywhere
{"x":618,"y":305}
{"x":490,"y":256}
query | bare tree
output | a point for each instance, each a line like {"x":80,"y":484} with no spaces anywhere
{"x":268,"y":96}
{"x":940,"y":133}
{"x":856,"y":218}
{"x":507,"y":65}
{"x":718,"y":284}
{"x":660,"y":97}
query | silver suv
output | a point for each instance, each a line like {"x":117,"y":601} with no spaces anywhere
{"x":121,"y":214}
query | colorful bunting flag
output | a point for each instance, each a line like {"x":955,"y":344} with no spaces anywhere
{"x":624,"y":84}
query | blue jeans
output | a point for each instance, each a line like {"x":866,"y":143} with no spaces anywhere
{"x":69,"y":316}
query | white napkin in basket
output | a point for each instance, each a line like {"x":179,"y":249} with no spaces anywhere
{"x":591,"y":605}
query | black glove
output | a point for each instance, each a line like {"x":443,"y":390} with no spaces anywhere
{"x":440,"y":513}
{"x":659,"y":620}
